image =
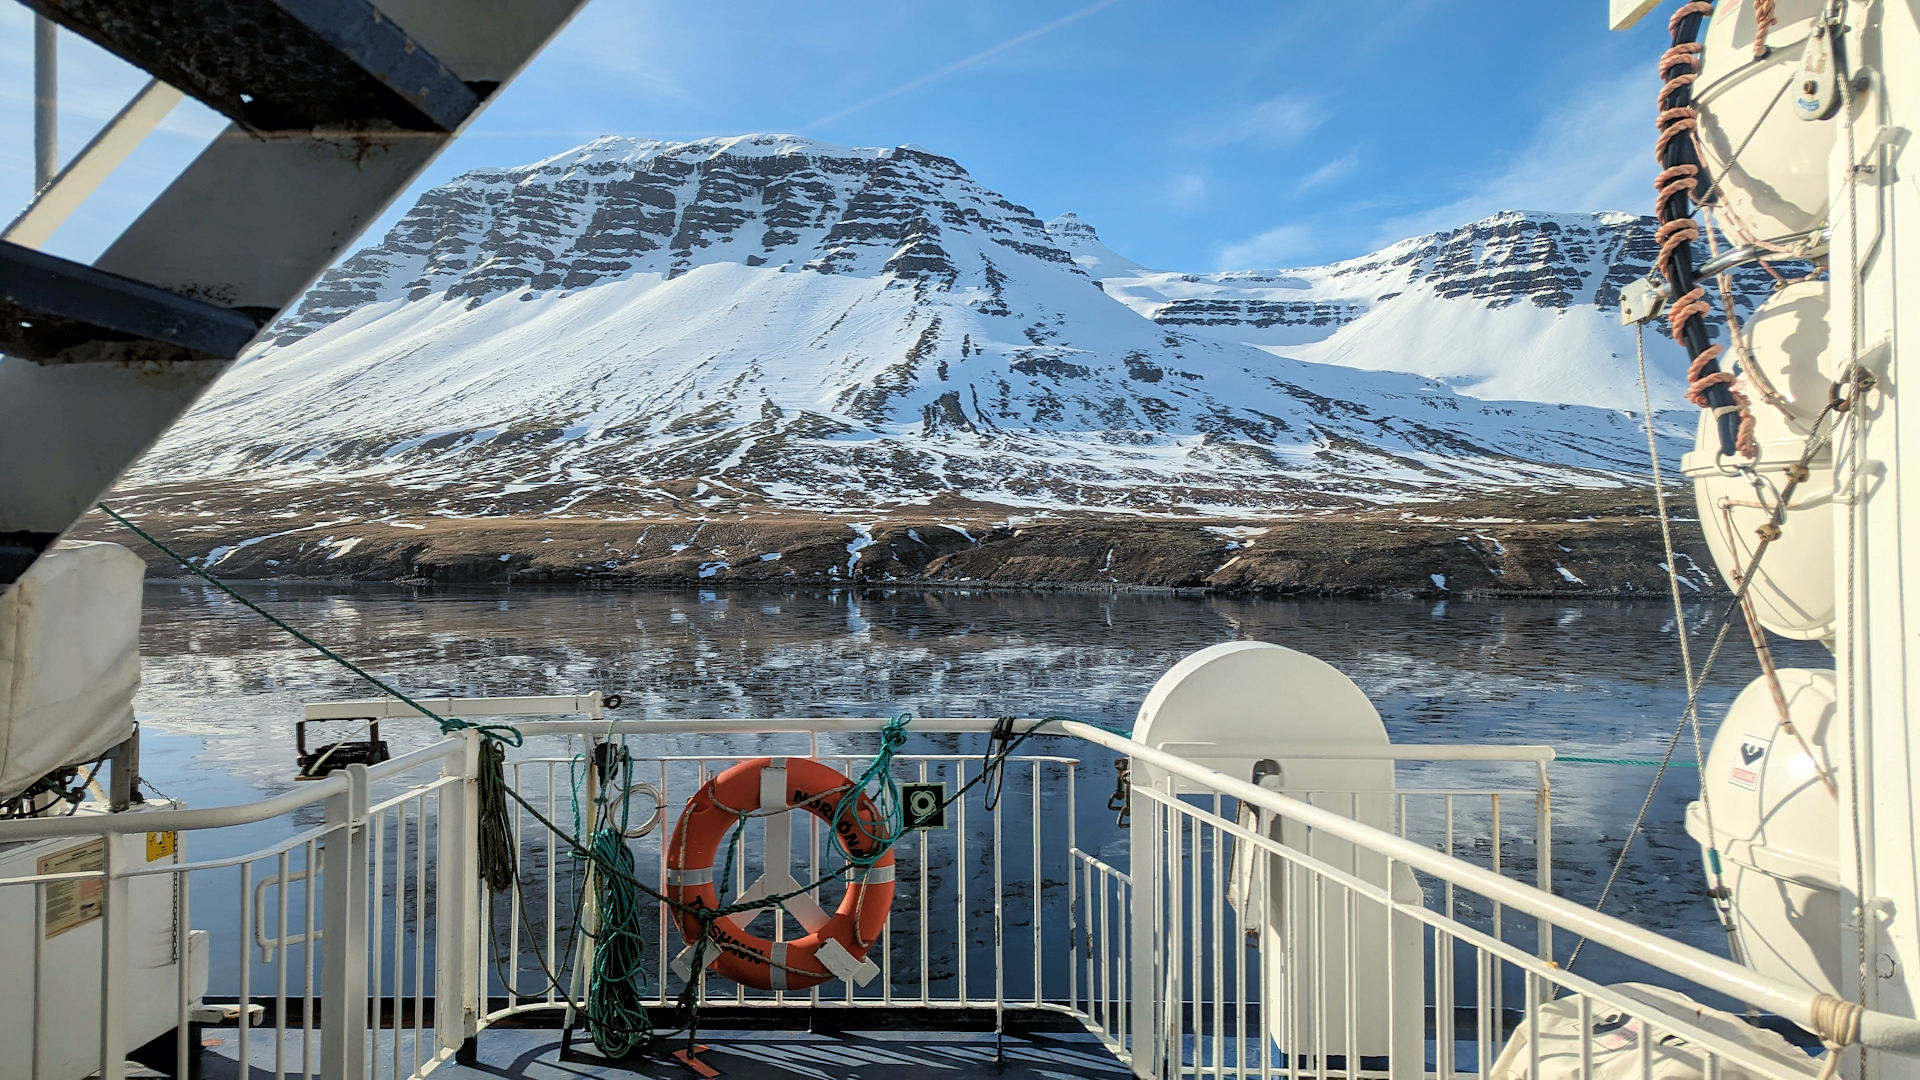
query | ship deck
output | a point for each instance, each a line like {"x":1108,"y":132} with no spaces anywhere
{"x":932,"y":1049}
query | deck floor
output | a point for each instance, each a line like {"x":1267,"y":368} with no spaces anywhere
{"x":534,"y":1054}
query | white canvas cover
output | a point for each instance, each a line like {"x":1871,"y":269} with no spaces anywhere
{"x":69,"y":660}
{"x":1617,"y":1035}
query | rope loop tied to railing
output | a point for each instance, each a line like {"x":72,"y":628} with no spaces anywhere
{"x":1837,"y":1022}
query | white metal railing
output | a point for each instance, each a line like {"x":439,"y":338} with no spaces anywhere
{"x":362,"y":872}
{"x":1011,"y":901}
{"x":367,"y":938}
{"x":1202,"y":1027}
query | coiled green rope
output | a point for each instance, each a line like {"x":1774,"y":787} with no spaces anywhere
{"x":616,"y":1018}
{"x":878,"y":784}
{"x":497,"y":858}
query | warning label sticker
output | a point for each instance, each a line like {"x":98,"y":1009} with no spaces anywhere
{"x":1746,"y":772}
{"x":75,"y":901}
{"x":161,"y":844}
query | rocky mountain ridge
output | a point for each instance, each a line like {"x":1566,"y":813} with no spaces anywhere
{"x":636,"y":327}
{"x":1517,"y":305}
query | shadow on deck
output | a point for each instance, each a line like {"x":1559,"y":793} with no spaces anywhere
{"x":910,"y":1046}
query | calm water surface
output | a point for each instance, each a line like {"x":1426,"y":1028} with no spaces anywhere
{"x":222,"y":688}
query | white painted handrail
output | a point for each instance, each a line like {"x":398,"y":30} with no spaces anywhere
{"x":1880,"y":1031}
{"x":589,"y":705}
{"x":306,"y":793}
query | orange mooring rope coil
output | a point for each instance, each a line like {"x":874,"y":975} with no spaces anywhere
{"x":1677,"y":184}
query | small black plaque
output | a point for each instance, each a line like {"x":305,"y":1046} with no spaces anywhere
{"x":924,"y":805}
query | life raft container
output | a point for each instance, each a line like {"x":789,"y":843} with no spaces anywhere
{"x":834,"y":948}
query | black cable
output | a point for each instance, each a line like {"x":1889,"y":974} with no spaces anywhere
{"x":992,"y":769}
{"x":496,"y":855}
{"x":1679,"y":151}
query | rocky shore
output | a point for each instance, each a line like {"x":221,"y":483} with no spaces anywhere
{"x":1549,"y":544}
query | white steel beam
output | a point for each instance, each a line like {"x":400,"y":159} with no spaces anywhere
{"x":1623,"y":14}
{"x":60,"y":196}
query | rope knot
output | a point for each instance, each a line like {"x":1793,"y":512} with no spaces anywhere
{"x":1837,"y":1022}
{"x":503,"y":734}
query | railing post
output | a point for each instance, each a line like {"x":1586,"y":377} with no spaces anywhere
{"x":1144,"y":853}
{"x":343,"y":956}
{"x":1406,"y":991}
{"x":1543,"y":855}
{"x":113,"y":961}
{"x":456,"y":1003}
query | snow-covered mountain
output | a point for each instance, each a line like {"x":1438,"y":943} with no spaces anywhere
{"x":1520,"y":305}
{"x":775,"y":319}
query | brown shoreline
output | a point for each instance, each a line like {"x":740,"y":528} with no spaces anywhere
{"x":1568,"y":545}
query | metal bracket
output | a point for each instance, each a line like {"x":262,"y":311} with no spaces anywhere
{"x":1642,"y":300}
{"x":227,"y":1014}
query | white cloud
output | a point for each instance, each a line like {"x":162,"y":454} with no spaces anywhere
{"x":1593,"y":151}
{"x":1277,"y":246}
{"x":1379,"y":30}
{"x":1186,"y":190}
{"x":1329,"y":172}
{"x":1276,"y":122}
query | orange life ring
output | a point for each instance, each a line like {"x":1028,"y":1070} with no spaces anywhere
{"x":747,"y":958}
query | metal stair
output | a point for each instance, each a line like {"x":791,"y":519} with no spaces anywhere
{"x":281,"y":65}
{"x":53,"y":311}
{"x":336,"y":105}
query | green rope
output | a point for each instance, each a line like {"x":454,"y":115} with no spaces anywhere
{"x":504,"y":733}
{"x":498,"y":864}
{"x":616,"y":1018}
{"x":889,"y":817}
{"x":496,"y":853}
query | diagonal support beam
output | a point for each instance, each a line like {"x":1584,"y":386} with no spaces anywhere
{"x":281,"y":65}
{"x":63,"y":193}
{"x":53,"y":311}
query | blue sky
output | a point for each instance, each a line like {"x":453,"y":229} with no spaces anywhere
{"x":1201,"y":135}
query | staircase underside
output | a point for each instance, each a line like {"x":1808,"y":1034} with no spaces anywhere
{"x":336,"y":106}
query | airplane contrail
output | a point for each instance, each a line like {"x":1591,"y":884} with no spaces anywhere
{"x":959,"y":65}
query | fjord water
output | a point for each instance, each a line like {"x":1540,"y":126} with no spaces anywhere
{"x":222,"y":688}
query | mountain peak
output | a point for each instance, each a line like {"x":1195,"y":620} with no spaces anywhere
{"x":632,"y":151}
{"x":618,"y":206}
{"x":1070,"y":228}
